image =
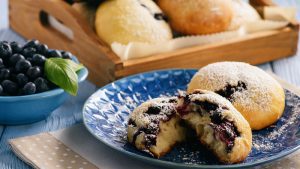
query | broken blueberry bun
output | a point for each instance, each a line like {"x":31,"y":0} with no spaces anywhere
{"x":155,"y":127}
{"x":218,"y":125}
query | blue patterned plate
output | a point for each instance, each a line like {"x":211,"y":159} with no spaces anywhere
{"x":106,"y":112}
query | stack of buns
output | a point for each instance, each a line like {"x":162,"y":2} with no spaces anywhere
{"x":223,"y":103}
{"x":149,"y":21}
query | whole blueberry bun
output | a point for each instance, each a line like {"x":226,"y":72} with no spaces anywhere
{"x":126,"y":21}
{"x":253,"y":92}
{"x":194,"y":17}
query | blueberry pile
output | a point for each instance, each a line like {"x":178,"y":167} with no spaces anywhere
{"x":22,"y":67}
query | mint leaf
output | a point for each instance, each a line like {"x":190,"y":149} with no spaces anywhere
{"x":62,"y":72}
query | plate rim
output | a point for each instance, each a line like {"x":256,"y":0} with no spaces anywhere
{"x":169,"y":163}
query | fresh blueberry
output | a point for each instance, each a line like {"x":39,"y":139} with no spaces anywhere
{"x":12,"y":70}
{"x":9,"y":87}
{"x":29,"y":88}
{"x":38,"y":59}
{"x":41,"y":84}
{"x":29,"y":52}
{"x":42,"y":49}
{"x":21,"y":79}
{"x":5,"y":50}
{"x":1,"y":64}
{"x":4,"y":74}
{"x":66,"y":55}
{"x":34,"y":72}
{"x":1,"y":90}
{"x":22,"y":65}
{"x":54,"y":54}
{"x":15,"y":58}
{"x":29,"y":60}
{"x":51,"y":85}
{"x":32,"y":44}
{"x":16,"y":47}
{"x":13,"y":76}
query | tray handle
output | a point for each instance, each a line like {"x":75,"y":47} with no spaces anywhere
{"x":27,"y":18}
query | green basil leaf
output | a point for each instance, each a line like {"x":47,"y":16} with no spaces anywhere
{"x":75,"y":66}
{"x":62,"y":72}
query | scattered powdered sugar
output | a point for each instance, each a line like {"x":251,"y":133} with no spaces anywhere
{"x":142,"y":119}
{"x":130,"y":102}
{"x":268,"y":142}
{"x":264,"y":145}
{"x":293,"y":118}
{"x":259,"y":84}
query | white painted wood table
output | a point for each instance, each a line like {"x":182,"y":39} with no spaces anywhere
{"x":70,"y":112}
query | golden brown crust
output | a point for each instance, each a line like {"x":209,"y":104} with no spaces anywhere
{"x":261,"y":103}
{"x":195,"y":17}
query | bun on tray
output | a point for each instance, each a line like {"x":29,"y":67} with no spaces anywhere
{"x":127,"y":21}
{"x":243,"y":13}
{"x":196,"y":17}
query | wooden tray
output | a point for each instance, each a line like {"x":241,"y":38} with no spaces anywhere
{"x":27,"y":17}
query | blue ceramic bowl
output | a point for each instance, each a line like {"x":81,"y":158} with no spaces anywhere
{"x":16,"y":110}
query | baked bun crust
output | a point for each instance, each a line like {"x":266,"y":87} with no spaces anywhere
{"x":127,"y":21}
{"x":194,"y":17}
{"x":218,"y":125}
{"x":254,"y":93}
{"x":243,"y":13}
{"x":154,"y":126}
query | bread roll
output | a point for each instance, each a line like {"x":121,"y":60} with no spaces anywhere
{"x":243,"y":13}
{"x":253,"y":92}
{"x":196,"y":17}
{"x":125,"y":21}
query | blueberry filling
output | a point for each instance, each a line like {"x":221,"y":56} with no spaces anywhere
{"x":172,"y":101}
{"x":153,"y":110}
{"x":132,"y":123}
{"x":156,"y":114}
{"x":207,"y":105}
{"x":226,"y":132}
{"x":151,"y":132}
{"x":229,"y":90}
{"x":223,"y":129}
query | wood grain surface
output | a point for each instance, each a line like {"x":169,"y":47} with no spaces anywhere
{"x":70,"y":112}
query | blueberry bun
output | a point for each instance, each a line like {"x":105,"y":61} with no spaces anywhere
{"x":253,"y":92}
{"x":155,"y":127}
{"x":126,"y":21}
{"x":218,"y":125}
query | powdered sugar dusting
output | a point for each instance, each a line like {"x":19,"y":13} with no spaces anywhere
{"x":267,"y":142}
{"x":143,"y":120}
{"x":136,"y":20}
{"x":259,"y":84}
